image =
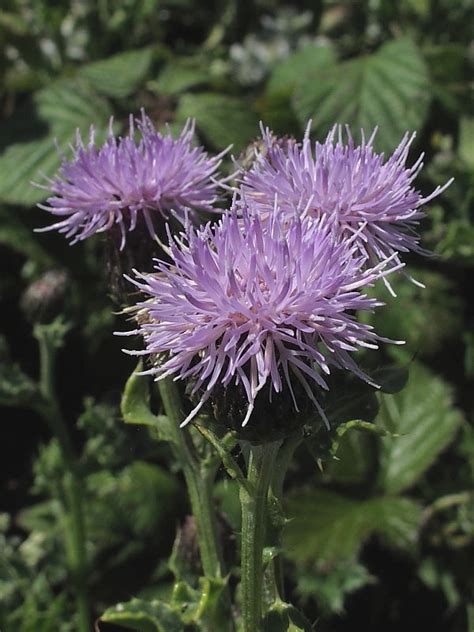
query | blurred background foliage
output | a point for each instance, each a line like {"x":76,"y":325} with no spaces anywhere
{"x":383,"y":528}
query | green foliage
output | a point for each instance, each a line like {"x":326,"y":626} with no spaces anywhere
{"x":326,"y":526}
{"x":188,"y":607}
{"x":389,"y":88}
{"x":135,"y":406}
{"x":119,"y":75}
{"x":213,"y":112}
{"x":399,"y":66}
{"x":56,"y":113}
{"x":329,"y":584}
{"x":424,"y":417}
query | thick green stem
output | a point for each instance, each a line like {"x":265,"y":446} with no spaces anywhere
{"x":74,"y":531}
{"x":254,"y":501}
{"x":198,"y":482}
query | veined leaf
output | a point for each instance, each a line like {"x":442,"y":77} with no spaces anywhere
{"x":222,"y":120}
{"x":424,"y":415}
{"x":180,"y":74}
{"x":135,"y":405}
{"x":144,"y":616}
{"x":298,"y":67}
{"x":120,"y":75}
{"x":326,"y":526}
{"x":59,"y":111}
{"x":389,"y":88}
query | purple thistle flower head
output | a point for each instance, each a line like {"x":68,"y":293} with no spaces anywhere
{"x":366,"y":196}
{"x":124,"y":180}
{"x":247,"y":302}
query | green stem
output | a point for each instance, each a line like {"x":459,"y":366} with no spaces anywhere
{"x":74,"y":532}
{"x":254,"y":500}
{"x":199,"y":483}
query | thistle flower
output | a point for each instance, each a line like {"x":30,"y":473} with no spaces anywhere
{"x":367,"y":197}
{"x":247,"y":302}
{"x":124,"y":180}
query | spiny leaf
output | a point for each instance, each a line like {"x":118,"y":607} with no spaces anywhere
{"x":327,"y":526}
{"x":144,"y":616}
{"x":389,"y":89}
{"x":423,"y":413}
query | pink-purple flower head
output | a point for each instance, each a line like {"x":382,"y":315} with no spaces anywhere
{"x":252,"y":303}
{"x":365,"y":195}
{"x":125,"y":181}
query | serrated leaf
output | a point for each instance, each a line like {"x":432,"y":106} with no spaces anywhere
{"x":389,"y":88}
{"x":135,"y":504}
{"x":143,"y":616}
{"x":222,"y":120}
{"x":329,"y":527}
{"x":283,"y":617}
{"x":295,"y":70}
{"x":120,"y":75}
{"x":57,"y":112}
{"x":330,"y":584}
{"x":424,"y":415}
{"x":135,"y":406}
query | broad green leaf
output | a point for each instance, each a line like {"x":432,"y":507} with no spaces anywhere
{"x":389,"y":89}
{"x":326,"y":526}
{"x":58,"y":111}
{"x":298,"y":67}
{"x":135,"y":405}
{"x":466,"y":140}
{"x":120,"y":75}
{"x":222,"y":120}
{"x":143,"y":616}
{"x":179,"y":75}
{"x":425,"y":417}
{"x":355,"y":459}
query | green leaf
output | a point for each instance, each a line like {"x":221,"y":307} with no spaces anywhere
{"x":389,"y":88}
{"x":423,"y":413}
{"x":283,"y":617}
{"x":120,"y":75}
{"x":426,"y":318}
{"x":135,"y":405}
{"x":298,"y":67}
{"x":330,"y":584}
{"x":135,"y":504}
{"x":179,"y":75}
{"x":16,"y":388}
{"x":221,"y":119}
{"x":144,"y":616}
{"x":328,"y":527}
{"x":59,"y":111}
{"x":466,"y":140}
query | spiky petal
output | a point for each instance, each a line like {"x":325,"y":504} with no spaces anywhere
{"x":353,"y":186}
{"x":125,"y":180}
{"x":256,"y":303}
